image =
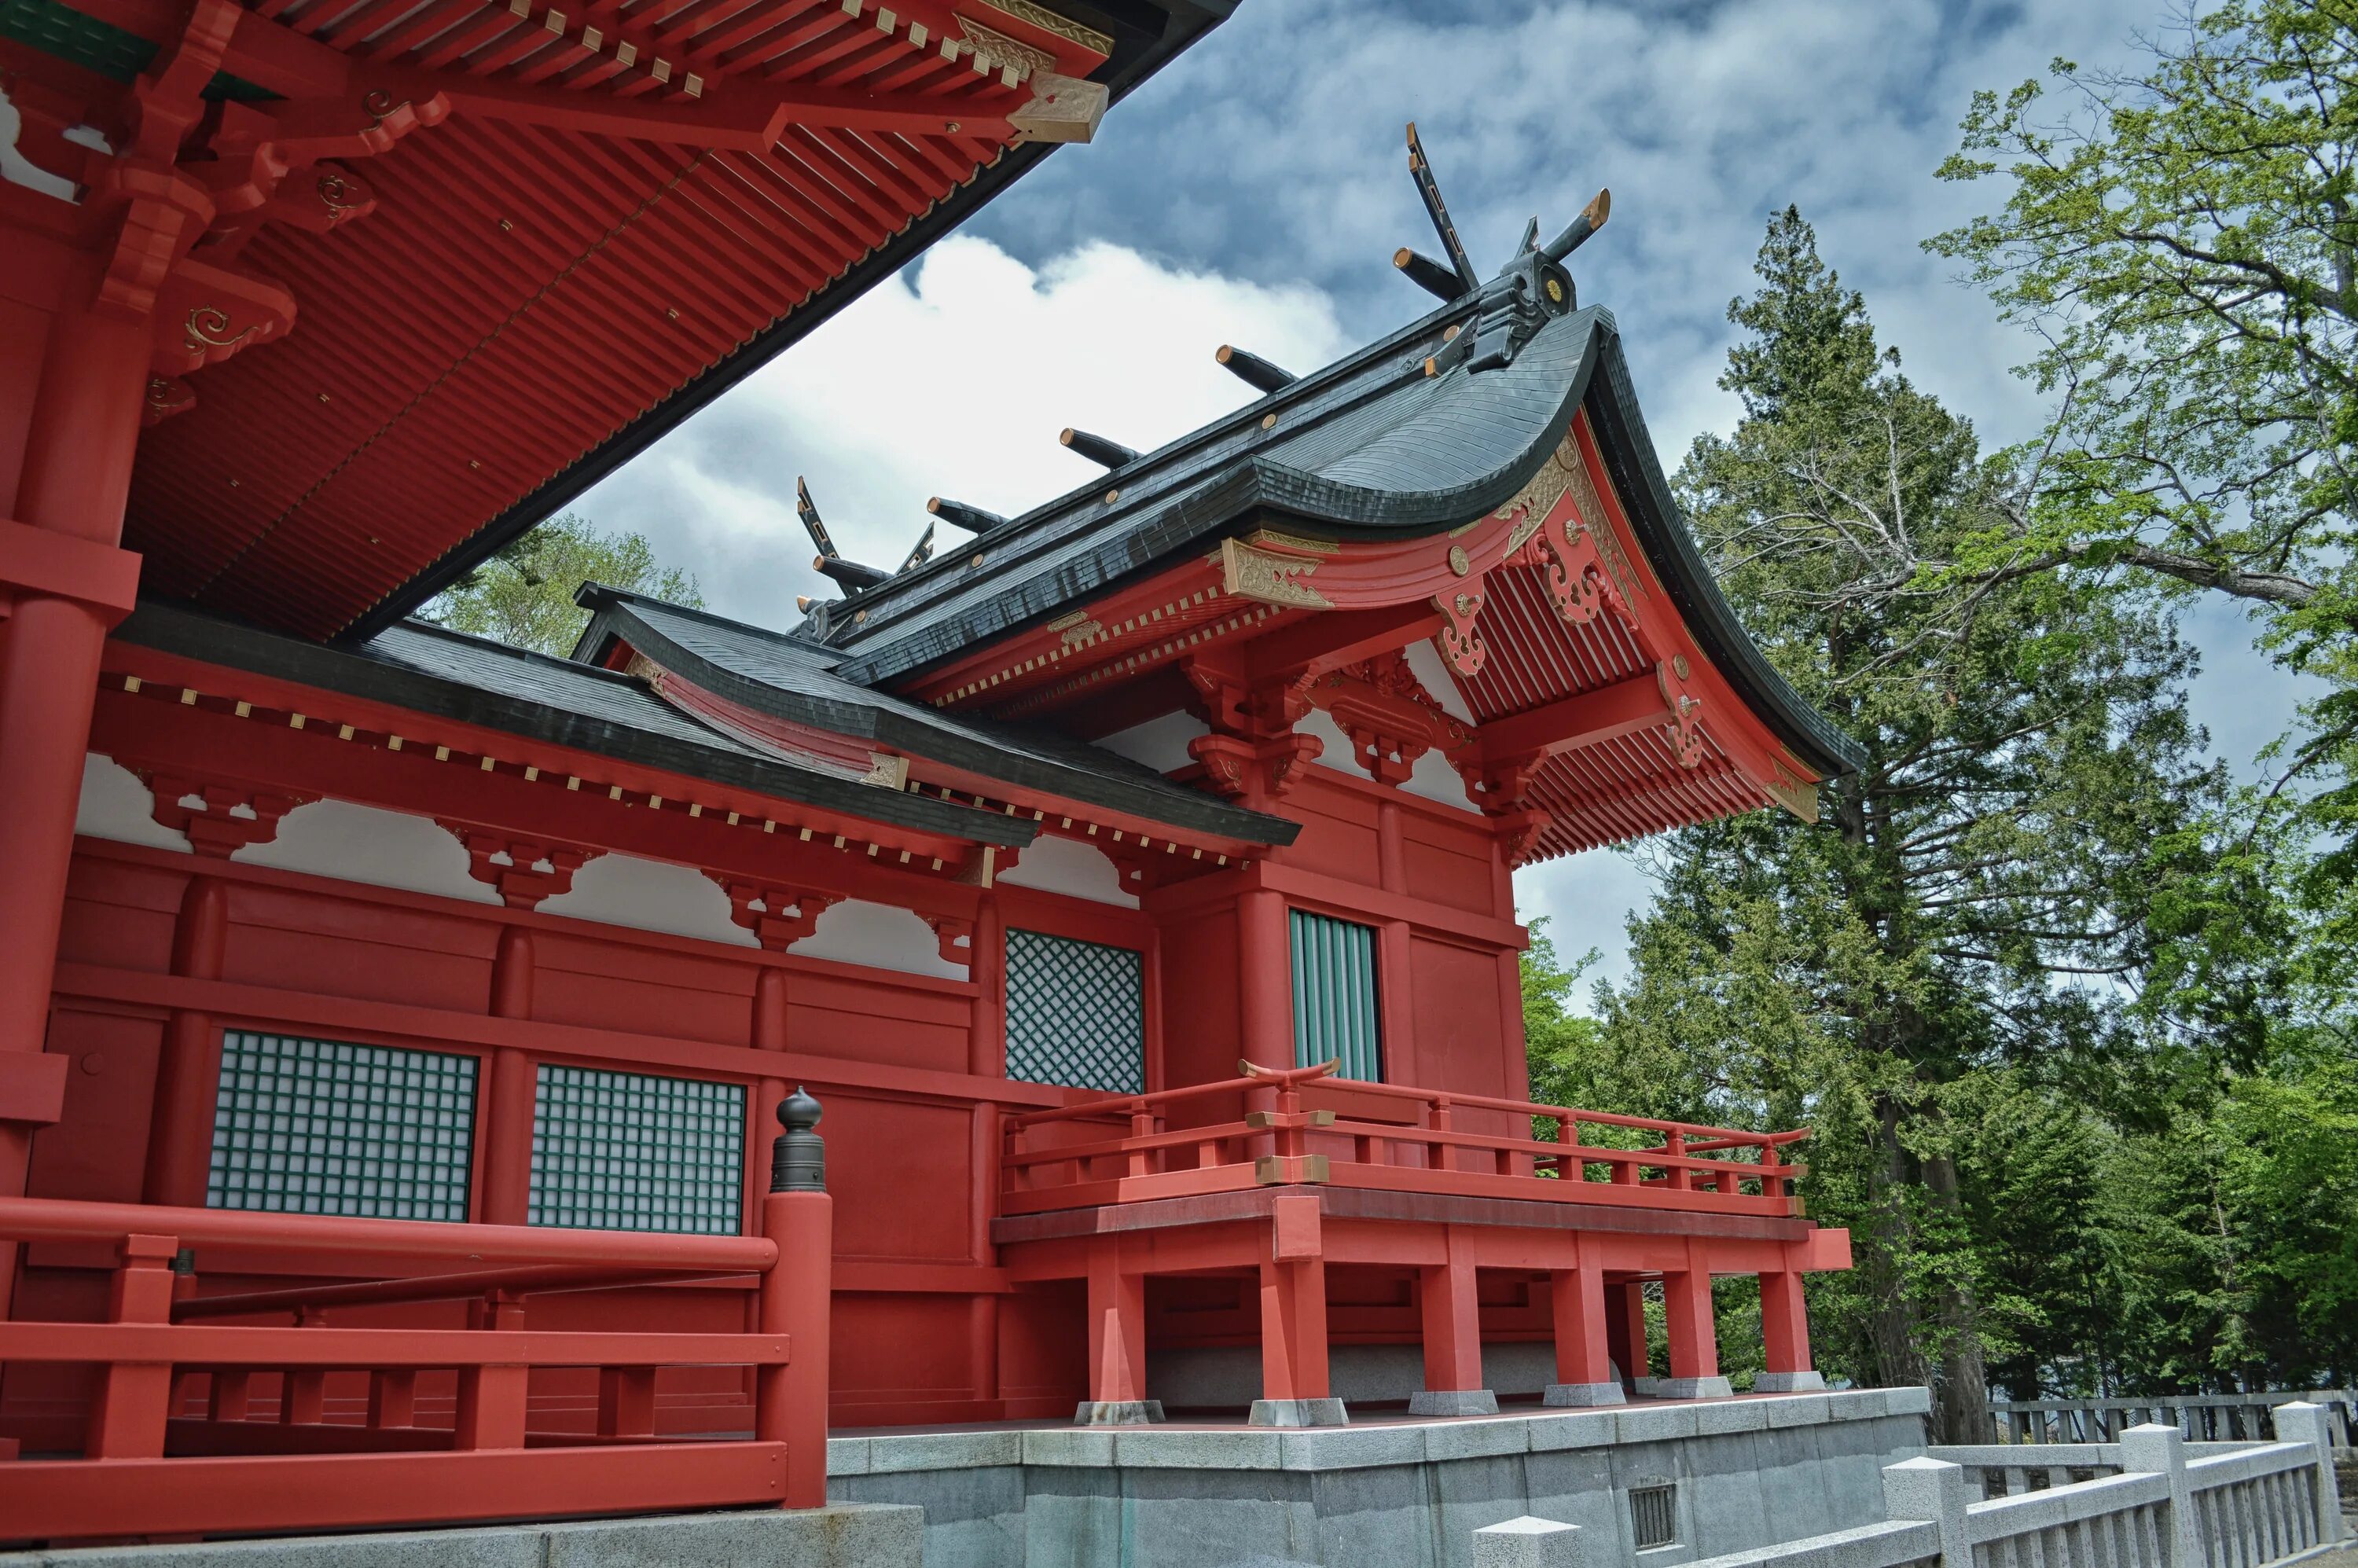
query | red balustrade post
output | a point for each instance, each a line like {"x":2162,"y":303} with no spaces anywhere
{"x":491,"y":1398}
{"x":1294,"y":1387}
{"x":303,"y":1391}
{"x":790,"y":1402}
{"x":1674,"y":1147}
{"x":1450,"y":1308}
{"x":1693,"y":1334}
{"x":1141,"y":1125}
{"x":393,"y":1398}
{"x":126,"y":1421}
{"x":1441,"y":1156}
{"x":626,"y":1402}
{"x":1584,"y":1356}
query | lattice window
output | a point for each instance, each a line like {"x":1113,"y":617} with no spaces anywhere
{"x":1335,"y":996}
{"x":1653,"y":1517}
{"x":325,"y":1127}
{"x":632,"y":1152}
{"x":1076,"y":1013}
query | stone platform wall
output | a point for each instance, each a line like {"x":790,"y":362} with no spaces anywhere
{"x":1746,"y":1472}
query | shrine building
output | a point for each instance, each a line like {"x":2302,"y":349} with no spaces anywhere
{"x":1113,"y":903}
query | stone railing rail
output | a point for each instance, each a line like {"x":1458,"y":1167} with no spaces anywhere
{"x":2202,"y":1417}
{"x":2169,"y":1505}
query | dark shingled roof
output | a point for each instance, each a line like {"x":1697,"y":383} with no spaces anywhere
{"x":1369,"y":447}
{"x":425,"y":669}
{"x":797,"y":681}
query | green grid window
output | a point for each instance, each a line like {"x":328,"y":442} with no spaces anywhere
{"x":629,"y":1152}
{"x":324,"y":1127}
{"x":1076,"y":1013}
{"x":1334,"y":997}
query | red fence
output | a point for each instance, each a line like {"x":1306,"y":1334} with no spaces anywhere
{"x":144,"y":1470}
{"x":1056,"y":1159}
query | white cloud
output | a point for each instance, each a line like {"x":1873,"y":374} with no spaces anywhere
{"x":950,"y":379}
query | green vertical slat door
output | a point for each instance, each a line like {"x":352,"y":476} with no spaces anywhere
{"x":1334,"y":995}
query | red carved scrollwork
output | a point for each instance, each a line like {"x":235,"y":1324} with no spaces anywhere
{"x":777,"y":916}
{"x":1459,"y":640}
{"x":523,"y":871}
{"x":219,"y":819}
{"x":1686,"y":738}
{"x":1577,"y":581}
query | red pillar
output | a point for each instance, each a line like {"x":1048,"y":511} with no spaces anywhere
{"x":1584,"y":1364}
{"x":63,"y":584}
{"x":987,"y":967}
{"x":1116,"y":1309}
{"x":1625,"y":1329}
{"x":188,"y":1075}
{"x":512,"y":1092}
{"x":1693,"y":1335}
{"x":1785,"y":1335}
{"x":797,"y":1301}
{"x":1450,"y":1308}
{"x":1265,"y":980}
{"x":1294,"y":1388}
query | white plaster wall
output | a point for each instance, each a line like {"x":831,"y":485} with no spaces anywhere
{"x":115,"y":805}
{"x":1070,"y":867}
{"x":1160,"y":743}
{"x":362,"y":844}
{"x":650,"y":895}
{"x":1338,"y":753}
{"x":1434,"y":779}
{"x":880,"y":936}
{"x":1432,"y":672}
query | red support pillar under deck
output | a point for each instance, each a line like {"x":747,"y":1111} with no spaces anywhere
{"x":1117,"y":1308}
{"x":1584,"y":1355}
{"x":1784,"y":1322}
{"x":1453,"y":1331}
{"x":1294,"y":1364}
{"x":1693,"y":1335}
{"x":1625,"y":1329}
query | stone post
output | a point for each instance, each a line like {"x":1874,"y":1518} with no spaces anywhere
{"x":2153,"y":1450}
{"x":1930,"y":1491}
{"x":2301,"y":1422}
{"x":1529,"y":1542}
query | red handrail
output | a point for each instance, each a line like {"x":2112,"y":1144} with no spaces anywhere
{"x":1130,"y":1105}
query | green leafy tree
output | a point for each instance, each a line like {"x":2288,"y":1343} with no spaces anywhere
{"x":1976,"y":904}
{"x":523,"y":595}
{"x":2182,"y":240}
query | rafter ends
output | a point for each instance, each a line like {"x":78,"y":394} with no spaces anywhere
{"x":1254,"y":574}
{"x":1063,"y":109}
{"x":989,"y":49}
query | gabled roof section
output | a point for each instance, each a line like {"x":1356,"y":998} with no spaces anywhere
{"x":797,"y":681}
{"x":1375,"y":447}
{"x":473,"y":680}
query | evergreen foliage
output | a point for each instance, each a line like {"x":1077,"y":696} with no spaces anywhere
{"x":523,"y":595}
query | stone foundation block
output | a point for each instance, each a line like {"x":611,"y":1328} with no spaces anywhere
{"x":1584,"y":1394}
{"x":1788,"y":1382}
{"x":1528,"y":1542}
{"x":1685,"y":1388}
{"x":1453,"y":1401}
{"x":1118,"y":1413}
{"x":1299,"y":1413}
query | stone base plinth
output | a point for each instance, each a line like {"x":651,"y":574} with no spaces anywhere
{"x":1453,"y":1401}
{"x":1685,"y":1388}
{"x":1584,"y":1394}
{"x":1299,"y":1413}
{"x":1118,"y":1413}
{"x":1788,"y":1382}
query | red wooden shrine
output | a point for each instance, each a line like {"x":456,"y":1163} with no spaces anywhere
{"x":391,"y":1062}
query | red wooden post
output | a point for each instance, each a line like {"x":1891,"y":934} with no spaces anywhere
{"x":393,"y":1399}
{"x":1451,"y":1311}
{"x":303,"y":1392}
{"x":1785,"y":1335}
{"x":1117,"y":1308}
{"x":1293,"y":1365}
{"x":126,"y":1419}
{"x":1674,"y":1147}
{"x":232,"y":1397}
{"x":626,"y":1402}
{"x":1625,"y":1329}
{"x":513,"y":1088}
{"x":797,"y":1299}
{"x":1264,"y":995}
{"x":491,"y":1399}
{"x":1441,"y":1156}
{"x":1693,"y":1334}
{"x":1584,"y":1355}
{"x":188,"y":1071}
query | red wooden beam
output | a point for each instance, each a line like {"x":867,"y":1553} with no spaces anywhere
{"x":1606,"y":713}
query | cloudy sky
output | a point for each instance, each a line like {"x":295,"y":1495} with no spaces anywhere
{"x":1253,"y":193}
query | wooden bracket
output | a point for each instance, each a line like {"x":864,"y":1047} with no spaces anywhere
{"x":523,"y":871}
{"x":778,"y":916}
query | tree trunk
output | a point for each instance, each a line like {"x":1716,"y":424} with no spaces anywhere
{"x":1961,"y":1411}
{"x":1891,"y":1325}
